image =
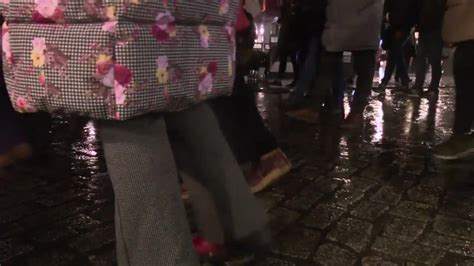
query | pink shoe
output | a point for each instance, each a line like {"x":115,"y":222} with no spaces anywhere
{"x":208,"y":250}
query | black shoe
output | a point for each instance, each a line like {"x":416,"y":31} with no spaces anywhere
{"x":381,"y":89}
{"x":430,"y":94}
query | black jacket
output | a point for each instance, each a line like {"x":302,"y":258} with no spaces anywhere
{"x":403,"y":14}
{"x":313,"y":14}
{"x":431,"y":15}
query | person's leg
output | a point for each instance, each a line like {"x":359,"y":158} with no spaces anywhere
{"x":435,"y":55}
{"x":395,"y":59}
{"x":464,"y":78}
{"x":216,"y":168}
{"x":461,"y":144}
{"x":308,"y":72}
{"x":151,"y":224}
{"x":421,"y":65}
{"x":296,"y":66}
{"x":364,"y":65}
{"x":330,"y":64}
{"x":283,"y":54}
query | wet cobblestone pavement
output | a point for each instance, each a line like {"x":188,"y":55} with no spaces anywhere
{"x":373,"y":196}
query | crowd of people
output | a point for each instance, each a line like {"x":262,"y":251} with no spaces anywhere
{"x":174,"y":111}
{"x":316,"y":33}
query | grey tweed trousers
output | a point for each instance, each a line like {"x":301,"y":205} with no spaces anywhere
{"x":150,"y":220}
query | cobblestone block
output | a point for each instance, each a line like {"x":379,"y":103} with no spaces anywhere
{"x":387,"y":195}
{"x":369,"y":210}
{"x":329,"y":254}
{"x":270,"y":199}
{"x":407,"y":251}
{"x":304,"y":200}
{"x":413,"y":210}
{"x":14,"y":214}
{"x":327,"y":184}
{"x":10,"y":229}
{"x":66,"y":229}
{"x":281,"y":218}
{"x":454,"y":245}
{"x":377,"y":261}
{"x":451,"y":259}
{"x":94,"y":240}
{"x":48,"y":216}
{"x":53,"y":257}
{"x":297,"y":243}
{"x":346,"y":198}
{"x":404,"y":229}
{"x":275,"y":262}
{"x":454,"y":227}
{"x":107,"y":258}
{"x":456,"y":204}
{"x":425,"y":194}
{"x":360,"y":183}
{"x":10,"y":248}
{"x":323,"y":216}
{"x":352,"y":233}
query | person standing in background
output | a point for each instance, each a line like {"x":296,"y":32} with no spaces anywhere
{"x":458,"y":30}
{"x":402,"y":15}
{"x":430,"y":46}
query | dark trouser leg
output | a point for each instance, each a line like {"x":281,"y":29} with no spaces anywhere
{"x":151,"y":224}
{"x":396,"y":59}
{"x":216,"y":168}
{"x":435,"y":54}
{"x":325,"y":81}
{"x":464,"y":78}
{"x":242,"y":124}
{"x":308,"y":71}
{"x":364,"y":66}
{"x":295,"y":62}
{"x":421,"y":65}
{"x":283,"y":62}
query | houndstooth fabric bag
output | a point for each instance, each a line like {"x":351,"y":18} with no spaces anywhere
{"x":111,"y":59}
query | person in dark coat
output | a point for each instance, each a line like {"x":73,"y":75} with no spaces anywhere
{"x":430,"y":46}
{"x":288,"y":39}
{"x":402,"y":17}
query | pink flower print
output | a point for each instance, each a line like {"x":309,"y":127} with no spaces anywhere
{"x":117,"y":115}
{"x":39,"y":44}
{"x":204,"y":34}
{"x":212,"y":68}
{"x":110,"y":26}
{"x":123,"y":75}
{"x":163,"y":19}
{"x":229,"y":30}
{"x":21,"y":104}
{"x":103,"y":64}
{"x":205,"y":84}
{"x":46,"y":8}
{"x":162,"y":62}
{"x":164,"y":27}
{"x":109,"y":79}
{"x":42,"y":79}
{"x":224,"y":7}
{"x":6,"y":43}
{"x":120,"y":95}
{"x":159,"y":34}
